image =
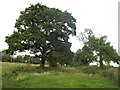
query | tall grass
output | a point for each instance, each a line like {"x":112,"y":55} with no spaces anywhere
{"x":111,"y":73}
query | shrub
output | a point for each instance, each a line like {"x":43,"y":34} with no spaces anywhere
{"x":6,"y":58}
{"x":89,"y":69}
{"x":19,"y":59}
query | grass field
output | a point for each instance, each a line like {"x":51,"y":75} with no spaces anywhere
{"x":28,"y":76}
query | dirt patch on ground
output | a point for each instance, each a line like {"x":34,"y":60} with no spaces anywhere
{"x":21,"y":77}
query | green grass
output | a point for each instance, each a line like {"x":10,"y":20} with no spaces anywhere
{"x":28,"y":76}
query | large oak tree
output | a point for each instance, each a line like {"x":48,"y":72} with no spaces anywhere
{"x":40,"y":30}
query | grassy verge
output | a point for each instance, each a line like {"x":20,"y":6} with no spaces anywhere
{"x":28,"y":76}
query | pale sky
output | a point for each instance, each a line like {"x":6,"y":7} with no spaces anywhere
{"x":99,"y":15}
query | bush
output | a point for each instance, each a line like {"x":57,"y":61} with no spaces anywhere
{"x":6,"y":58}
{"x":19,"y":59}
{"x":89,"y":69}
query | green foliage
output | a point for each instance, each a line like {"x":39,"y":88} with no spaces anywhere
{"x":83,"y":57}
{"x":96,"y":49}
{"x":54,"y":57}
{"x":89,"y":69}
{"x":6,"y":58}
{"x":63,"y":54}
{"x":40,"y":29}
{"x":105,"y":52}
{"x":19,"y":59}
{"x":31,"y":59}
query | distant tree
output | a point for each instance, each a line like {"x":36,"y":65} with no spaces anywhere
{"x":6,"y":57}
{"x":67,"y":58}
{"x":84,"y":56}
{"x":99,"y":46}
{"x":19,"y":59}
{"x":31,"y":59}
{"x":53,"y":58}
{"x":41,"y":30}
{"x":4,"y":51}
{"x":105,"y":52}
{"x":66,"y":54}
{"x":35,"y":60}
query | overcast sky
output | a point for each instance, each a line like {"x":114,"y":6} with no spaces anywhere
{"x":99,"y":15}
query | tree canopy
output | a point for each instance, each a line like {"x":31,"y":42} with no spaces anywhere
{"x":40,"y":30}
{"x":95,"y":49}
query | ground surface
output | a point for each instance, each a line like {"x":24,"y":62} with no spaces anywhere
{"x":28,"y":76}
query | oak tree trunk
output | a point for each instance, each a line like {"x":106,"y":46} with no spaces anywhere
{"x":42,"y":64}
